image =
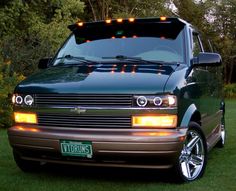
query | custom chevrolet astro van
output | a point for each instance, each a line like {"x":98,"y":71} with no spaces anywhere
{"x":136,"y":93}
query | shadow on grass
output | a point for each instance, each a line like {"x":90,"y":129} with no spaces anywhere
{"x":109,"y":174}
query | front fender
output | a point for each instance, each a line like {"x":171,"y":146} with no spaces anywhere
{"x":188,"y":115}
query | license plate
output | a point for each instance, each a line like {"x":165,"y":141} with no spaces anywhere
{"x":76,"y":148}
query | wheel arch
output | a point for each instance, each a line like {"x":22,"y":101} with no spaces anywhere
{"x":191,"y":114}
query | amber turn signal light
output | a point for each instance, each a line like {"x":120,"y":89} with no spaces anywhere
{"x":25,"y":118}
{"x":160,"y":121}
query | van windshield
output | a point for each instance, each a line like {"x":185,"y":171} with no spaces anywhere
{"x":152,"y":42}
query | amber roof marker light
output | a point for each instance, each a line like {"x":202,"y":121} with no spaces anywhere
{"x":131,"y":20}
{"x":108,"y":21}
{"x":120,"y":20}
{"x":80,"y":24}
{"x":163,"y":18}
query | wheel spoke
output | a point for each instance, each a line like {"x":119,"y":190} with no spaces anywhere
{"x":186,"y":169}
{"x":181,"y":159}
{"x":192,"y":143}
{"x":196,"y":160}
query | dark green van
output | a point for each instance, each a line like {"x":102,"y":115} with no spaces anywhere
{"x":137,"y":93}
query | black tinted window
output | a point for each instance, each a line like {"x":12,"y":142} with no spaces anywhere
{"x":196,"y":45}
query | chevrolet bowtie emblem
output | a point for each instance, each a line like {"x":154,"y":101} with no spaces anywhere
{"x":78,"y":110}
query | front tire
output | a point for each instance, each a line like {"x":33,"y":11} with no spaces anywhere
{"x":26,"y":165}
{"x":192,"y":161}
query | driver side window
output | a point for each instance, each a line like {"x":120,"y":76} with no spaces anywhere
{"x":196,"y":45}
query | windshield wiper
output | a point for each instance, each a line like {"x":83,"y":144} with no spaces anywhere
{"x":129,"y":58}
{"x":82,"y":60}
{"x":139,"y":59}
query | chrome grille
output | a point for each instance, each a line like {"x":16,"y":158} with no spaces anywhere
{"x":82,"y":100}
{"x":84,"y":121}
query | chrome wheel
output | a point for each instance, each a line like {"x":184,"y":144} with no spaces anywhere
{"x":192,"y":157}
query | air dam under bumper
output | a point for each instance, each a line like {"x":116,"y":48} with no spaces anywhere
{"x":137,"y":148}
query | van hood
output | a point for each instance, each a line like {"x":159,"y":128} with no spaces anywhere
{"x":99,"y":79}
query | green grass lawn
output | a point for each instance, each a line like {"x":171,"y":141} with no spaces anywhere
{"x":220,"y":172}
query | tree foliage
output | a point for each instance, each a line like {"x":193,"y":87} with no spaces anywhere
{"x":216,"y":19}
{"x":34,"y":29}
{"x":224,"y":14}
{"x":8,"y":80}
{"x":102,"y":9}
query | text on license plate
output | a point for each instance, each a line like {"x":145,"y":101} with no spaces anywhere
{"x":76,"y":148}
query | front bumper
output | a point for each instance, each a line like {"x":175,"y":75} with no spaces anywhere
{"x":141,"y":148}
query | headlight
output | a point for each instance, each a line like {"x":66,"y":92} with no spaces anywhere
{"x":29,"y":100}
{"x":22,"y":100}
{"x":152,"y":101}
{"x":19,"y":100}
{"x":13,"y":99}
{"x":171,"y":100}
{"x":157,"y":101}
{"x":141,"y":101}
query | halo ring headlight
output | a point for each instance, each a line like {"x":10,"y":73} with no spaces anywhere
{"x":19,"y":100}
{"x":13,"y":99}
{"x":29,"y":100}
{"x":141,"y":101}
{"x":171,"y":100}
{"x":157,"y":101}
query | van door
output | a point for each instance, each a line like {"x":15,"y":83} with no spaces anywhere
{"x":210,"y":87}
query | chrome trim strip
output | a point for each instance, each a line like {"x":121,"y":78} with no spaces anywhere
{"x":109,"y":108}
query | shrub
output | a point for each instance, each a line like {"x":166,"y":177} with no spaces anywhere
{"x":8,"y":81}
{"x":230,"y":90}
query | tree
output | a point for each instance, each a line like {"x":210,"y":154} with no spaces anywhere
{"x":214,"y":19}
{"x":195,"y":12}
{"x":103,"y":9}
{"x":32,"y":29}
{"x":224,"y":14}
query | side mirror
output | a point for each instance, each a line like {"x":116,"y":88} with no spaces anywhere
{"x":207,"y":59}
{"x":43,"y":63}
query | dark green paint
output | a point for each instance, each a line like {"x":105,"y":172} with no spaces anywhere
{"x":71,"y":80}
